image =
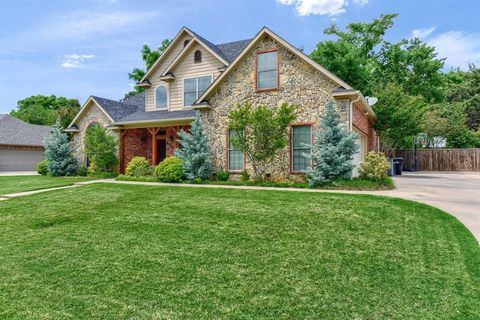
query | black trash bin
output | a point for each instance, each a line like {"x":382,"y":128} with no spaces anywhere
{"x":398,"y":163}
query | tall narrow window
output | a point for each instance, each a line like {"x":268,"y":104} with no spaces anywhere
{"x":161,"y":98}
{"x":300,"y":144}
{"x":194,"y":88}
{"x":235,"y":156}
{"x":197,"y":56}
{"x":267,"y":70}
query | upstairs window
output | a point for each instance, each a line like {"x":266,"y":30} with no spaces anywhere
{"x":161,"y":98}
{"x":301,"y":139}
{"x":235,"y":156}
{"x":185,"y":43}
{"x":197,"y":56}
{"x":267,"y":70}
{"x":194,"y":88}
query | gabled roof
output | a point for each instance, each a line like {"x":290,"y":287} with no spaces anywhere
{"x":260,"y":35}
{"x":131,"y":110}
{"x":201,"y":40}
{"x":14,"y":131}
{"x":231,"y":50}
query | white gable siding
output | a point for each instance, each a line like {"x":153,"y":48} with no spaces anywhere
{"x":150,"y":92}
{"x":186,"y":68}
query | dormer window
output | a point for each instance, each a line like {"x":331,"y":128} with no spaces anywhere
{"x":161,"y":98}
{"x":267,"y":70}
{"x":197,"y":56}
{"x":185,"y":43}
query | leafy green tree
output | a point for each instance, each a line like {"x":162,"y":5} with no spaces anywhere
{"x":332,"y":150}
{"x":398,"y":116}
{"x":58,"y":153}
{"x":149,"y":57}
{"x":101,"y":149}
{"x":362,"y":58}
{"x":261,"y":133}
{"x":352,"y":55}
{"x":464,"y":87}
{"x":45,"y":110}
{"x":195,"y":152}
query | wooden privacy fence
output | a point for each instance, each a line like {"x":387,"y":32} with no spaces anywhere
{"x":441,"y":159}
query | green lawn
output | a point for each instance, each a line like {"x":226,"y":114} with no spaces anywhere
{"x":15,"y":184}
{"x":143,"y":252}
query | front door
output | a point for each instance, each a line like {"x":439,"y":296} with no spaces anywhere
{"x":162,"y":149}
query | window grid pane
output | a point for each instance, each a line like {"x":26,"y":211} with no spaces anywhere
{"x":300,"y":144}
{"x":194,"y":88}
{"x":161,"y":98}
{"x":267,"y":70}
{"x":235,"y":156}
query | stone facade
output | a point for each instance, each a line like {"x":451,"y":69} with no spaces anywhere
{"x":93,"y":114}
{"x":300,"y":84}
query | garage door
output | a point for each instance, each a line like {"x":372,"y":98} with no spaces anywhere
{"x":20,"y":160}
{"x":362,"y":150}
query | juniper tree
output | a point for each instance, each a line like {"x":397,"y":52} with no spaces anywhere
{"x":59,"y":154}
{"x":195,"y":152}
{"x":332,"y":150}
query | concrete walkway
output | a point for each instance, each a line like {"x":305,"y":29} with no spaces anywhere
{"x":456,"y":193}
{"x":18,"y":173}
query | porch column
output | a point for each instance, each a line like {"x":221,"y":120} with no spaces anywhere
{"x":122,"y":150}
{"x":153,"y":133}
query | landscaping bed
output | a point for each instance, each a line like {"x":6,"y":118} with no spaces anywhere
{"x":341,"y":184}
{"x":109,"y":251}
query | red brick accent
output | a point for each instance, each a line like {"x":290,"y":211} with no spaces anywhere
{"x":138,"y":142}
{"x":361,"y":122}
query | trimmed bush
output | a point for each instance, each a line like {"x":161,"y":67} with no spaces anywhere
{"x":244,"y":176}
{"x":138,"y":167}
{"x":42,"y":167}
{"x":170,"y":170}
{"x":374,"y":167}
{"x":223,"y":175}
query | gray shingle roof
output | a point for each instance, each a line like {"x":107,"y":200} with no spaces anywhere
{"x":14,"y":131}
{"x":228,"y":51}
{"x":142,"y":115}
{"x":231,"y":50}
{"x":132,"y":109}
{"x":116,"y":109}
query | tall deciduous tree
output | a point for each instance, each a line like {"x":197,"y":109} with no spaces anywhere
{"x":399,"y":116}
{"x":46,"y":110}
{"x":332,"y":150}
{"x":149,"y":57}
{"x":195,"y":151}
{"x":59,"y":154}
{"x":261,"y":133}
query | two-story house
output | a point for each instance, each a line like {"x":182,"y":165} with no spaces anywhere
{"x":194,"y":75}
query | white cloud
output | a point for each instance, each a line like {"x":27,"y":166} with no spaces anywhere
{"x":459,"y":48}
{"x":422,"y":33}
{"x":330,"y":8}
{"x":75,"y":60}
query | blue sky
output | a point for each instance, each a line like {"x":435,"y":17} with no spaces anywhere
{"x":78,"y":48}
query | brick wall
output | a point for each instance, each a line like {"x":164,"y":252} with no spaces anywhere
{"x":361,"y":122}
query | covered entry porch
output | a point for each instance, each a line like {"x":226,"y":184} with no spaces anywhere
{"x":155,"y":143}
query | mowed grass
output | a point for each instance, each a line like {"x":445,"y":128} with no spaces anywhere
{"x":14,"y":184}
{"x":142,"y":252}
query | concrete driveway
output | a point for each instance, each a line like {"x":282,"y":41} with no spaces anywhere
{"x":456,"y":193}
{"x":18,"y":173}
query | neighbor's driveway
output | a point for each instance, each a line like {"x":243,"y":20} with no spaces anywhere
{"x":456,"y":193}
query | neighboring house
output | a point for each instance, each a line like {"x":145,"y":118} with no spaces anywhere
{"x":21,"y":144}
{"x":194,"y":75}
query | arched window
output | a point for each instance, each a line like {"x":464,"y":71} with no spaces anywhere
{"x":185,"y":43}
{"x":197,"y":56}
{"x":161,"y":98}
